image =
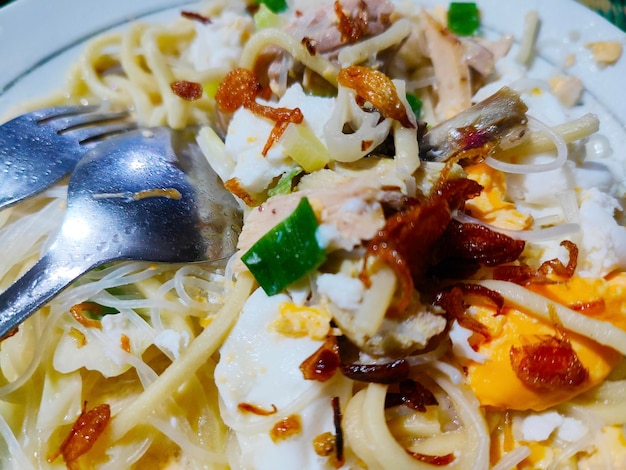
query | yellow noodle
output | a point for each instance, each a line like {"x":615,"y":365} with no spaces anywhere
{"x":90,"y":74}
{"x":149,"y":60}
{"x":177,"y":110}
{"x":363,"y":50}
{"x":131,"y":57}
{"x":274,"y":37}
{"x":537,"y":142}
{"x":354,"y":432}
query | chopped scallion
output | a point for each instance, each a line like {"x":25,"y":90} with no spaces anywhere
{"x":415,"y":103}
{"x":287,"y":252}
{"x":266,"y":18}
{"x":95,"y":311}
{"x":275,"y":6}
{"x":463,"y":18}
{"x":285,"y":183}
{"x":305,"y":148}
{"x":104,"y":310}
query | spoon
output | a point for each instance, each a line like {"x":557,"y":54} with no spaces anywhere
{"x":148,"y":195}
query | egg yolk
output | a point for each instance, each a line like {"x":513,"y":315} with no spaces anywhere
{"x":602,"y":299}
{"x":297,"y":321}
{"x":490,"y":206}
{"x":496,"y":384}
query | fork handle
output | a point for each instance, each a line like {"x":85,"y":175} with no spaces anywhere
{"x":49,"y":276}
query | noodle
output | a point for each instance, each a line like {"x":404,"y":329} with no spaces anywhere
{"x":272,"y":37}
{"x":360,"y":52}
{"x":602,"y":332}
{"x":529,"y":37}
{"x":537,"y":141}
{"x":197,"y":354}
{"x":17,"y":456}
{"x":559,"y":161}
{"x":372,"y":358}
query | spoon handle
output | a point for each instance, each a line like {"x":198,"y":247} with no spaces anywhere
{"x":49,"y":276}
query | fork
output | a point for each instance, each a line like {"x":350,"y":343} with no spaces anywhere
{"x":148,"y":195}
{"x":39,"y":148}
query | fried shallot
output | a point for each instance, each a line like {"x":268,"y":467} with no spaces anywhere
{"x":422,"y":241}
{"x":240,"y":88}
{"x":548,"y":364}
{"x":377,"y":88}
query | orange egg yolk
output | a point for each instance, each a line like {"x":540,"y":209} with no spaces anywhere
{"x":490,"y":206}
{"x":496,"y":384}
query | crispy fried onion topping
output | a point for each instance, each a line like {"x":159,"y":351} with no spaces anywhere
{"x":416,"y":396}
{"x":455,"y":303}
{"x":378,"y":89}
{"x":352,"y":367}
{"x":337,"y":417}
{"x":412,"y":394}
{"x":323,"y":363}
{"x":352,"y":28}
{"x":286,"y":428}
{"x":331,"y":445}
{"x":438,"y":460}
{"x":257,"y":410}
{"x":189,"y":91}
{"x":79,"y":313}
{"x":548,"y":364}
{"x":240,"y":88}
{"x":11,"y":332}
{"x":195,"y":16}
{"x":386,"y":373}
{"x":550,"y":271}
{"x":557,"y":267}
{"x":421,"y":241}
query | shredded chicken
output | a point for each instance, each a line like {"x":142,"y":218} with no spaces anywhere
{"x":452,"y":73}
{"x":352,"y":208}
{"x":323,"y":31}
{"x":322,"y":25}
{"x":397,"y":337}
{"x":481,"y":55}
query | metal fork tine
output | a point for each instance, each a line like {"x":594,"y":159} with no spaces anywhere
{"x":67,"y":123}
{"x":58,"y":111}
{"x":39,"y":148}
{"x":88,"y":135}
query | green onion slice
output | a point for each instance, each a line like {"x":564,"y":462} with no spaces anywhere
{"x":463,"y":18}
{"x":285,"y":183}
{"x":266,"y":18}
{"x":415,"y":103}
{"x":275,"y":6}
{"x":287,"y":252}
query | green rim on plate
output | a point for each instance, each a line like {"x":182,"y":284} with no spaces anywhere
{"x":612,"y":10}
